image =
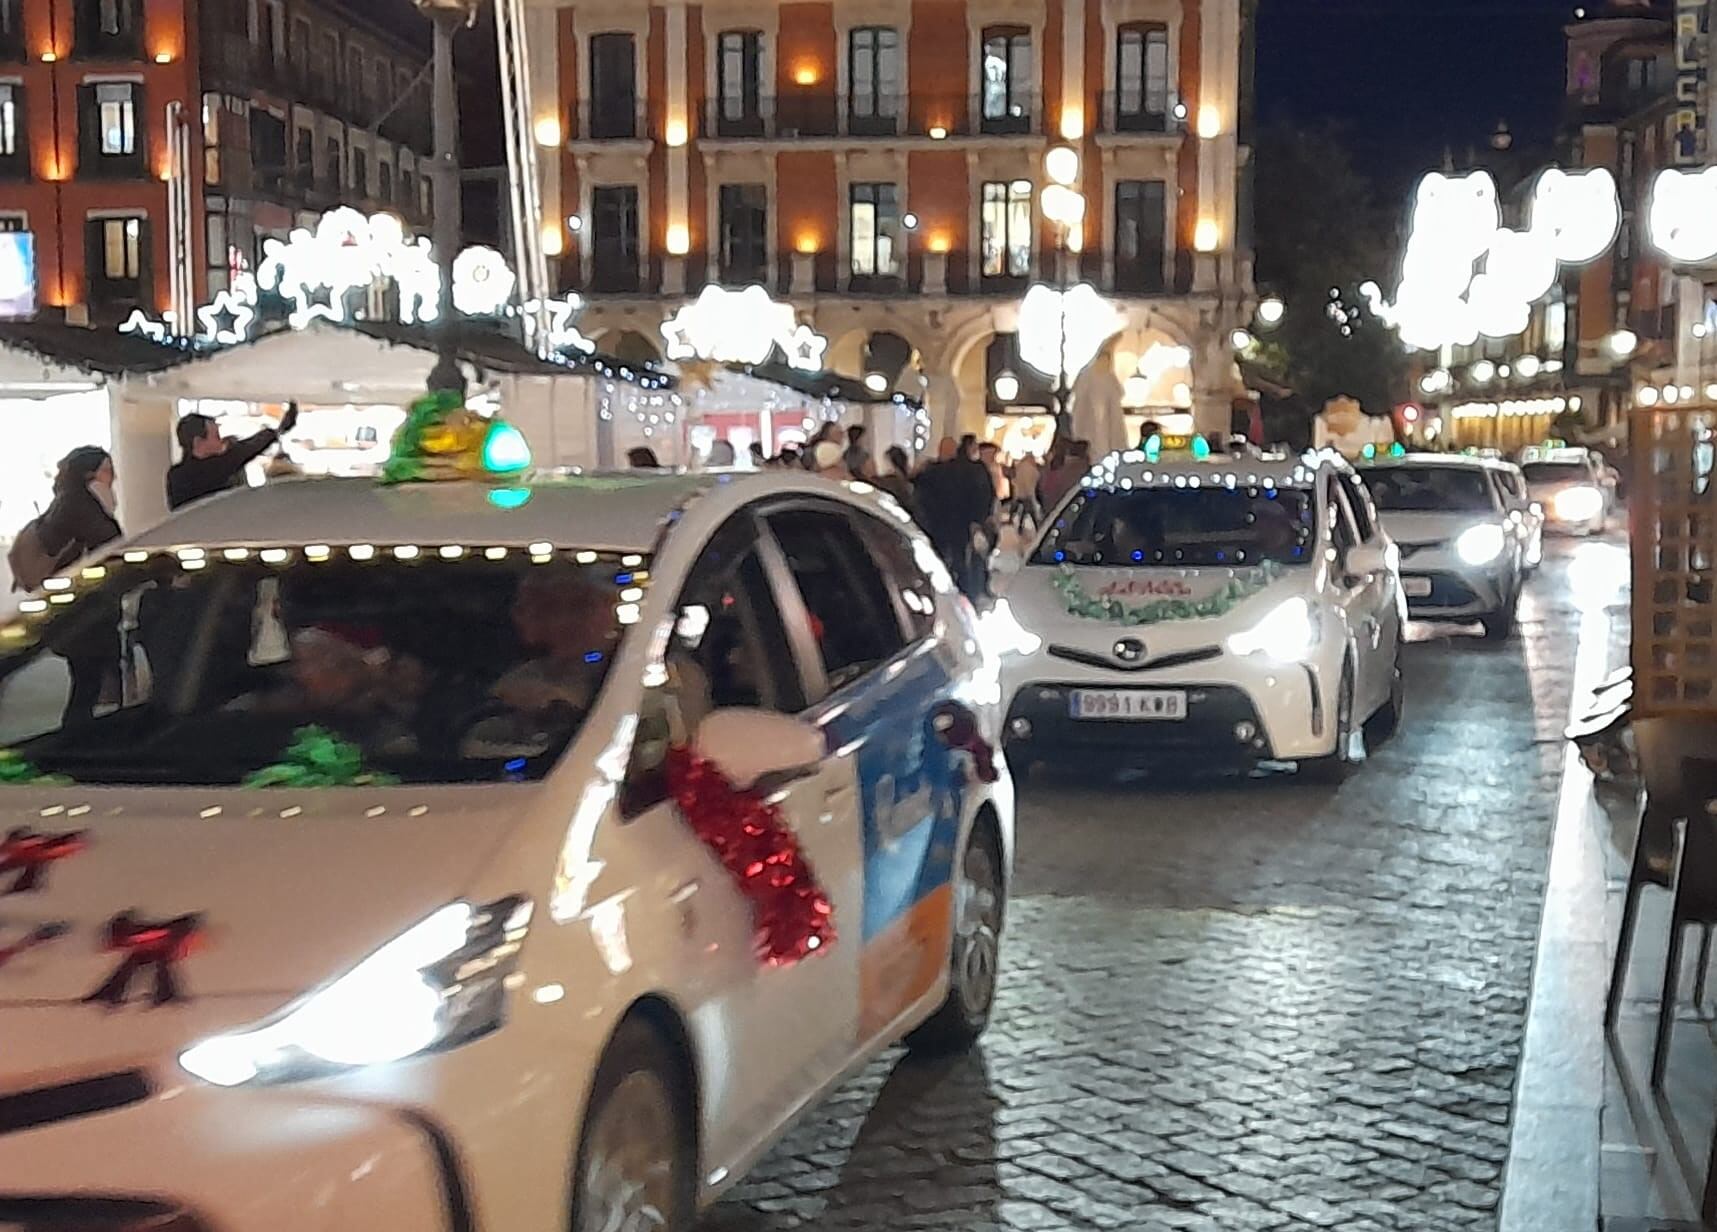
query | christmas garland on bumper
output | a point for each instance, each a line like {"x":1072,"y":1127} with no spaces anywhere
{"x":1082,"y":603}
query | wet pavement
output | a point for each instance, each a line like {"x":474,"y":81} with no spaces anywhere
{"x":1243,"y":1004}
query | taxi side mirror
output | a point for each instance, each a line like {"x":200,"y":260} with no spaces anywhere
{"x":757,"y":747}
{"x":1364,"y":559}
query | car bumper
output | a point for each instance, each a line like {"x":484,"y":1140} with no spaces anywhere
{"x":1238,"y":710}
{"x":475,"y":1137}
{"x":1439,"y":586}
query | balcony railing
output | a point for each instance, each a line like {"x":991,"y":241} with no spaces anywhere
{"x":809,"y":114}
{"x":958,"y":273}
{"x":620,"y":119}
{"x":1131,"y":113}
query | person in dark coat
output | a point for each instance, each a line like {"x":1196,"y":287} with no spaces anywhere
{"x":955,"y":495}
{"x":897,"y":482}
{"x":209,"y":463}
{"x":78,"y":522}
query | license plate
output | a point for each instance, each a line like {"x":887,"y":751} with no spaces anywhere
{"x":1133,"y":705}
{"x":1416,"y":587}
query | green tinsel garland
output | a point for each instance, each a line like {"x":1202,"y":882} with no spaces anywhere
{"x":16,"y":771}
{"x":318,"y":758}
{"x":1082,"y":603}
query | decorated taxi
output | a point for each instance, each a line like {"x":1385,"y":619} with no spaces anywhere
{"x":1224,"y":608}
{"x":1574,"y":486}
{"x":505,"y":852}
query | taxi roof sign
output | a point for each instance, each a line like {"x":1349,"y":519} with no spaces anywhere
{"x":1157,"y":444}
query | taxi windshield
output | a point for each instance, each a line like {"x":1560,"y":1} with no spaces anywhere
{"x":1556,"y":472}
{"x":1182,"y":526}
{"x":1430,"y":489}
{"x":338,"y":667}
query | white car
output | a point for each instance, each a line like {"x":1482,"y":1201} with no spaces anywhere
{"x":1574,"y":486}
{"x":361,"y":871}
{"x":1224,"y":609}
{"x":1466,"y":544}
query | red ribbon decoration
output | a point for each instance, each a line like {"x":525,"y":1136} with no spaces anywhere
{"x":28,"y":854}
{"x":157,"y":944}
{"x":790,"y":909}
{"x":40,"y":935}
{"x":957,"y":728}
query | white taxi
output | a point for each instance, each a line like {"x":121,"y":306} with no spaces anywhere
{"x":1466,"y":538}
{"x":1573,"y":485}
{"x":1225,"y":609}
{"x":460,"y":856}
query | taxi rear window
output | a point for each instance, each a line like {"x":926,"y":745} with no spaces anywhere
{"x":313,"y":668}
{"x":1182,"y":526}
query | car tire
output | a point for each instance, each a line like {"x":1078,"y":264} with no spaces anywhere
{"x":1499,"y":625}
{"x":1387,"y":721}
{"x":1334,"y":769}
{"x":980,"y":910}
{"x":637,"y":1156}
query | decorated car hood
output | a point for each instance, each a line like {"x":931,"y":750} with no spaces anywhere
{"x":1414,"y":529}
{"x":1177,"y":608}
{"x":122,"y":903}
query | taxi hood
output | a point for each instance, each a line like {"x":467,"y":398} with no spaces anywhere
{"x":1183,"y":607}
{"x":286,"y":889}
{"x":1433,"y":526}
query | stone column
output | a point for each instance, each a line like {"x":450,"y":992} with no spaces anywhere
{"x":942,"y":400}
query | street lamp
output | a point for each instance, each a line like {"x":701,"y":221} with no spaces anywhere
{"x":447,"y":16}
{"x":1065,"y":207}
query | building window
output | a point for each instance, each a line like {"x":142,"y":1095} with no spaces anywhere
{"x":874,"y":225}
{"x":1141,"y":227}
{"x":304,"y":156}
{"x":360,"y":173}
{"x":614,"y":238}
{"x":328,"y":68}
{"x":355,"y":77}
{"x":12,"y":29}
{"x":109,"y":128}
{"x":333,"y":164}
{"x":873,"y":80}
{"x":273,"y":34}
{"x":108,"y":28}
{"x":613,"y":87}
{"x":300,"y":51}
{"x":407,"y":188}
{"x":11,"y":130}
{"x":1007,"y":79}
{"x":118,"y":261}
{"x":1006,"y":229}
{"x":739,"y":74}
{"x":744,"y":233}
{"x":1142,"y":78}
{"x":384,"y":182}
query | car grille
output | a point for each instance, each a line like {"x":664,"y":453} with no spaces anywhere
{"x":1092,"y":658}
{"x":46,"y":1105}
{"x":59,"y":1214}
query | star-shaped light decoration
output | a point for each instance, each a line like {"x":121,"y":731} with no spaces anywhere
{"x":141,"y":323}
{"x":805,"y":348}
{"x":559,"y":316}
{"x":229,"y":305}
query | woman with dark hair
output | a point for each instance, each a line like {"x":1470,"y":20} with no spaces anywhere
{"x":79,"y":521}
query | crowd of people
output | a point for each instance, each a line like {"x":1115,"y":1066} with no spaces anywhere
{"x":962,"y":497}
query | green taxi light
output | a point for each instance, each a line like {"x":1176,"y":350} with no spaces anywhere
{"x":1200,"y":447}
{"x":505,"y":450}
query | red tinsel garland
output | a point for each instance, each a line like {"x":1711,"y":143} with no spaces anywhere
{"x":791,"y":910}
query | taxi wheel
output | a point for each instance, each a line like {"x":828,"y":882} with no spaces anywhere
{"x":1335,"y":768}
{"x":636,"y":1162}
{"x":1387,"y":721}
{"x":979,"y":907}
{"x":1498,"y":625}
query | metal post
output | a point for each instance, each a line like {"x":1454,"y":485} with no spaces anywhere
{"x":446,"y":375}
{"x":1063,"y":420}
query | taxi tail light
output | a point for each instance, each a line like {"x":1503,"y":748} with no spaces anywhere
{"x":441,"y":983}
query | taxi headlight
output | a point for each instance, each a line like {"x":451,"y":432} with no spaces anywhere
{"x":1288,"y":633}
{"x":439,"y":983}
{"x":1479,"y":545}
{"x":1580,"y":504}
{"x":1002,"y":634}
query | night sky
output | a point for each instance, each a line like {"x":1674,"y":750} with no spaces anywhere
{"x":1411,"y":77}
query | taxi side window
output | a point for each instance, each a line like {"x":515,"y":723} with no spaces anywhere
{"x":853,"y":621}
{"x":1359,"y":504}
{"x":1341,"y":519}
{"x":728,"y":648}
{"x":891,"y":550}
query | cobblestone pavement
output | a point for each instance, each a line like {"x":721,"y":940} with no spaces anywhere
{"x":1239,"y":1005}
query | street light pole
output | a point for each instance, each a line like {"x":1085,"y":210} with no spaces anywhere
{"x":1065,"y":208}
{"x":447,"y":16}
